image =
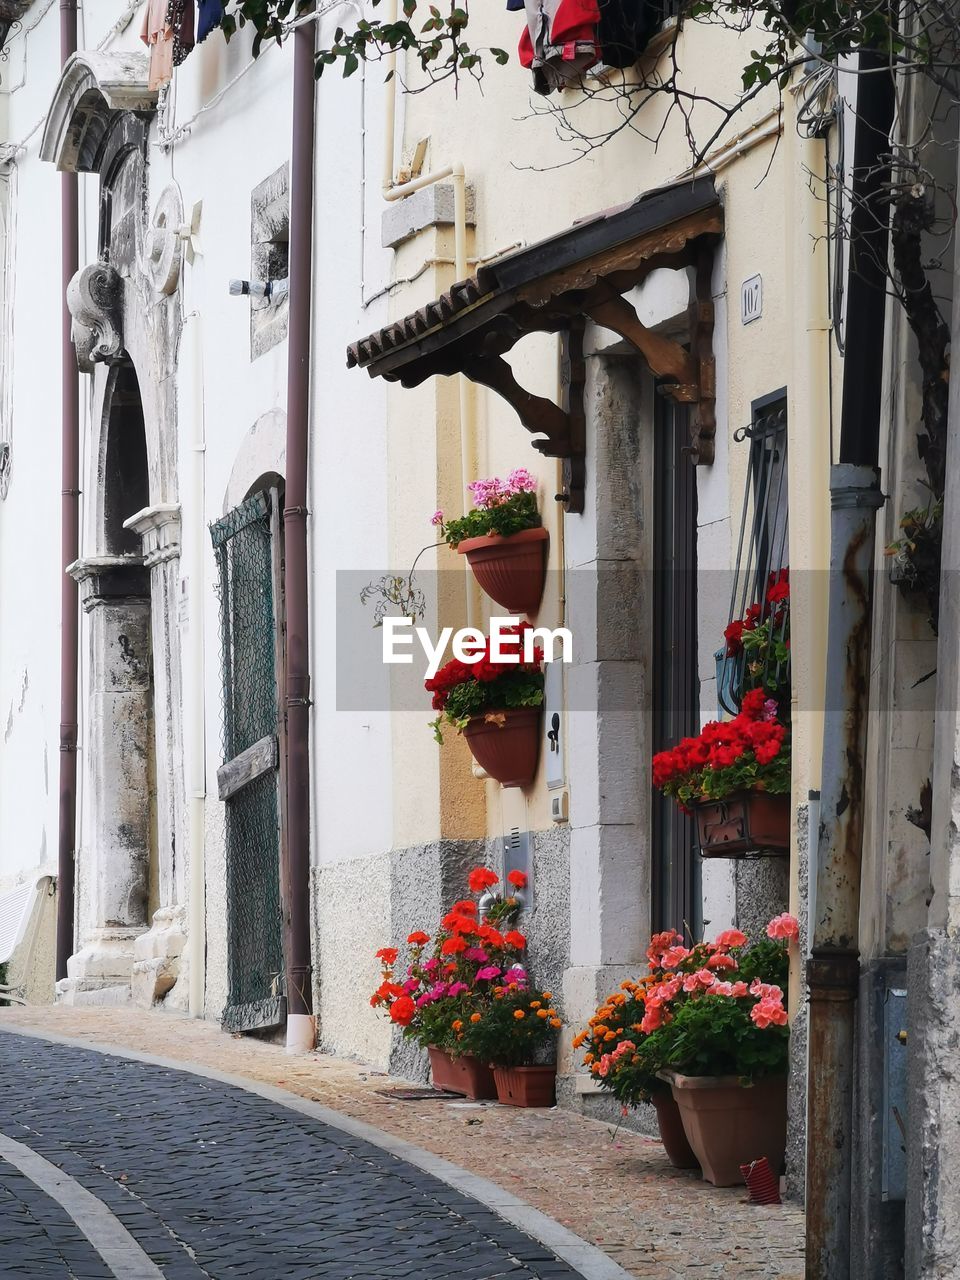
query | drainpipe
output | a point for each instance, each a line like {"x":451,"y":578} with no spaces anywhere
{"x":301,"y":1025}
{"x":833,"y":971}
{"x":69,"y":539}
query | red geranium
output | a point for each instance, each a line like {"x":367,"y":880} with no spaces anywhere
{"x":402,"y":1010}
{"x":481,"y":878}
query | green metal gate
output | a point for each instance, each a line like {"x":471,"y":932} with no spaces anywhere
{"x":245,"y":545}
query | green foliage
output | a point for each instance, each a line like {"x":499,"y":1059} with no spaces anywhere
{"x":512,"y":689}
{"x":714,"y":1036}
{"x":516,"y":1029}
{"x":512,"y":515}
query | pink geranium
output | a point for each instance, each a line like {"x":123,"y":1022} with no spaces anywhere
{"x":720,"y":960}
{"x":784,"y":926}
{"x":673,"y":957}
{"x":729,"y":938}
{"x":489,"y":971}
{"x":768,"y":1012}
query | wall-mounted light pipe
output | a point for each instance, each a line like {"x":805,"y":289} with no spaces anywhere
{"x":392,"y":191}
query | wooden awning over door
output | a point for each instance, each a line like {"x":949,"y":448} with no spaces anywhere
{"x":555,"y":286}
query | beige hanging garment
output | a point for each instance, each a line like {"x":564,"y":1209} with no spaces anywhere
{"x":157,"y":35}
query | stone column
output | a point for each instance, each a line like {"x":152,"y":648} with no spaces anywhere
{"x":158,"y":953}
{"x":116,"y":776}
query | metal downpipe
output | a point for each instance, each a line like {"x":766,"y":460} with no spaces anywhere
{"x":69,"y":541}
{"x":301,"y":1028}
{"x":833,"y":971}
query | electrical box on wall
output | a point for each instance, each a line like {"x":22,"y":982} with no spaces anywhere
{"x":517,"y":844}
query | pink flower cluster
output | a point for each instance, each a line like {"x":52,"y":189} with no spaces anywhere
{"x":768,"y":1011}
{"x":610,"y":1059}
{"x":490,"y":493}
{"x":784,"y":926}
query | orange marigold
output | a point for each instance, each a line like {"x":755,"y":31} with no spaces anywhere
{"x":476,"y":1017}
{"x":518,"y":1014}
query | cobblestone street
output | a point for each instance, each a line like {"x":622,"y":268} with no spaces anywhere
{"x":195,"y":1177}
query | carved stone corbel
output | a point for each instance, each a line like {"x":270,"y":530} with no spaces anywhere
{"x":163,"y":246}
{"x":95,"y":299}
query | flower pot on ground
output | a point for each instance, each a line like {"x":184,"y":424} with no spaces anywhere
{"x":464,"y":1075}
{"x":506,"y":744}
{"x":744,"y":822}
{"x":711,"y":1009}
{"x":526,"y":1086}
{"x":512,"y":570}
{"x":729,"y":1124}
{"x":672,"y":1134}
{"x":450,"y":980}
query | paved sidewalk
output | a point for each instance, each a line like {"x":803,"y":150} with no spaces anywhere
{"x":617,"y":1192}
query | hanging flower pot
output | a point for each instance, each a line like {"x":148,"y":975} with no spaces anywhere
{"x":465,"y":1075}
{"x":526,"y":1086}
{"x":506,"y":743}
{"x":510,"y":570}
{"x":729,"y":1124}
{"x":675,"y":1145}
{"x":744,"y":822}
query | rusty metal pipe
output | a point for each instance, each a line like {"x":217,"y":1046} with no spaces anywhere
{"x":300,"y":1025}
{"x":69,"y":540}
{"x":833,"y":970}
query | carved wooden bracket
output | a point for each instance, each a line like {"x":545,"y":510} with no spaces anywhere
{"x":690,"y":375}
{"x":562,"y":427}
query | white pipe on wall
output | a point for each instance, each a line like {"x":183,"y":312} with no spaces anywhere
{"x":392,"y":191}
{"x":196,"y":727}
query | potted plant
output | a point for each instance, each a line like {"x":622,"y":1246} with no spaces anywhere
{"x":724,"y":1043}
{"x":734,"y":776}
{"x":503,"y":539}
{"x":708,"y":1025}
{"x":450,"y":978}
{"x":517,"y":1033}
{"x":497,"y":704}
{"x":626,"y":1063}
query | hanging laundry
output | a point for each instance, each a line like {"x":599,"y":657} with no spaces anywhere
{"x":560,"y":41}
{"x":180,"y":16}
{"x":624,"y":29}
{"x":157,"y":35}
{"x":209,"y":17}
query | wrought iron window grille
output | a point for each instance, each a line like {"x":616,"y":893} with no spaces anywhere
{"x":763,"y":546}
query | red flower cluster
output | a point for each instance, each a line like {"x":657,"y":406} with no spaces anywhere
{"x":778,"y":593}
{"x":722,"y":743}
{"x":482,"y":666}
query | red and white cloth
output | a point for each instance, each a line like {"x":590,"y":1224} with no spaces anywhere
{"x":560,"y":41}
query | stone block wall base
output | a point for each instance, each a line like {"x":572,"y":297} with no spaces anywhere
{"x":932,"y":1232}
{"x":157,"y":963}
{"x":75,"y":991}
{"x":105,"y":959}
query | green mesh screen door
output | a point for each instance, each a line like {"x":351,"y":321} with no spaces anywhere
{"x":246,"y":545}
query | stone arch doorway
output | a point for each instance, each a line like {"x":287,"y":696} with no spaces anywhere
{"x":118,"y":875}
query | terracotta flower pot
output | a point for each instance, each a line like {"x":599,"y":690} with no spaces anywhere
{"x":672,"y":1135}
{"x":506,"y":743}
{"x":511,"y":570}
{"x":729,"y":1124}
{"x":465,"y":1075}
{"x":745,"y":822}
{"x":526,"y":1086}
